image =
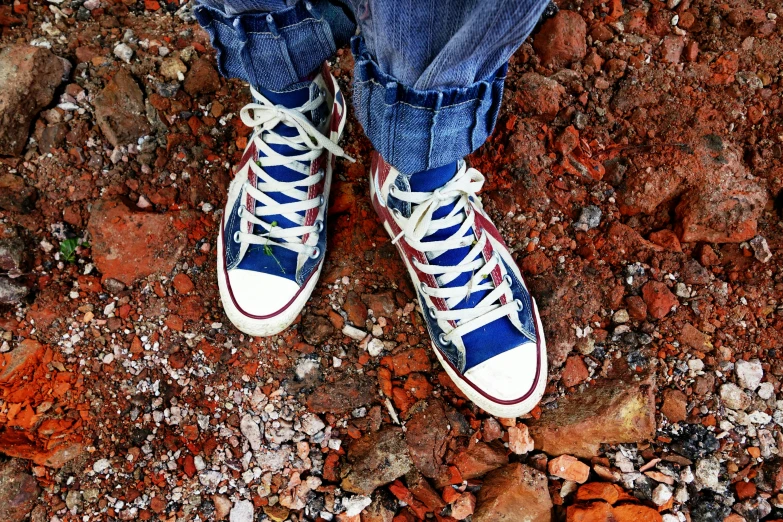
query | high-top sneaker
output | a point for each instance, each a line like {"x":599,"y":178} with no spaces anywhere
{"x":484,"y":324}
{"x":273,"y":235}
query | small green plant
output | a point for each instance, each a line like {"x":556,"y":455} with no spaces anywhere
{"x":68,"y":248}
{"x":268,"y":249}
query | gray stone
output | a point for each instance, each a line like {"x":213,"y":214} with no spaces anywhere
{"x":241,"y":512}
{"x":707,"y":474}
{"x":376,"y":460}
{"x":18,"y":492}
{"x":12,"y":290}
{"x":749,"y":373}
{"x":733,"y":397}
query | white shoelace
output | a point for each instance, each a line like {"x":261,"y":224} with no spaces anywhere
{"x":465,"y":184}
{"x":263,"y":117}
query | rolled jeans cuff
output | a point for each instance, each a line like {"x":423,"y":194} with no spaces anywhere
{"x":416,"y":130}
{"x":276,"y":51}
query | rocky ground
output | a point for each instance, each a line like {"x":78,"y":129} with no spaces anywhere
{"x":636,"y":172}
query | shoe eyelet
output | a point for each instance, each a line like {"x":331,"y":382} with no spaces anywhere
{"x":520,"y":304}
{"x":432,"y":312}
{"x":321,"y":200}
{"x":239,"y":210}
{"x":392,"y":190}
{"x":507,"y":279}
{"x":397,"y":213}
{"x":423,"y":287}
{"x":443,"y":340}
{"x":236,"y":236}
{"x":319,"y":226}
{"x":315,"y":253}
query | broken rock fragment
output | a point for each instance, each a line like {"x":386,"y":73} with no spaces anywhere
{"x":29,"y":76}
{"x":128,"y":245}
{"x":376,"y":460}
{"x":343,"y":396}
{"x":426,"y":436}
{"x":120,"y":112}
{"x":514,"y":492}
{"x":15,"y":194}
{"x":18,"y":492}
{"x":610,"y":412}
{"x":562,"y":39}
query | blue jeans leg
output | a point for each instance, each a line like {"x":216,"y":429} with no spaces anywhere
{"x":429,"y":76}
{"x":275,"y":45}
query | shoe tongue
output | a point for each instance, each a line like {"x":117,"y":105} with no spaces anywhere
{"x":291,"y":100}
{"x":427,"y":181}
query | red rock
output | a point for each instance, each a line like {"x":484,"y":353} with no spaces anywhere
{"x":691,"y":51}
{"x":675,"y":405}
{"x":745,"y":490}
{"x":535,"y":263}
{"x":183,"y":284}
{"x":355,"y":308}
{"x":20,"y":362}
{"x":722,"y":213}
{"x":15,"y":194}
{"x":637,"y":310}
{"x":610,"y":412}
{"x":598,"y":491}
{"x":575,"y":371}
{"x":331,"y":467}
{"x":28,"y":78}
{"x":120,"y":112}
{"x":593,"y":512}
{"x":636,"y":513}
{"x":569,"y":468}
{"x":202,"y":78}
{"x":427,"y":436}
{"x":480,"y":458}
{"x":464,"y":506}
{"x":667,"y":239}
{"x":424,"y":492}
{"x":189,"y":466}
{"x":157,"y":504}
{"x":18,"y":492}
{"x":418,"y":386}
{"x":343,"y":396}
{"x":562,"y":39}
{"x":491,"y":430}
{"x":659,"y":299}
{"x":671,"y":48}
{"x":413,"y":360}
{"x":514,"y":493}
{"x":725,"y":202}
{"x":539,"y":96}
{"x":128,"y":245}
{"x":519,"y":440}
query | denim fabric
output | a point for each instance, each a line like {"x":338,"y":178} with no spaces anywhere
{"x":418,"y":130}
{"x":429,"y":75}
{"x":274,"y":51}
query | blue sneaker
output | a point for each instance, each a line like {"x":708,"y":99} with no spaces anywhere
{"x":483,"y":323}
{"x":273,"y":235}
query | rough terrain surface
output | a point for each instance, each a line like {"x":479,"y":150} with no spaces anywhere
{"x":636,"y":172}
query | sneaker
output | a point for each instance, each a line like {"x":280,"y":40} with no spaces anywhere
{"x":273,"y":234}
{"x":483,"y":323}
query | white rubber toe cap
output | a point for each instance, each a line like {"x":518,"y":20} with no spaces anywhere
{"x":507,"y":376}
{"x":259,"y":294}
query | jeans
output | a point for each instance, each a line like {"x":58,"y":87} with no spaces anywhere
{"x":428,"y":79}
